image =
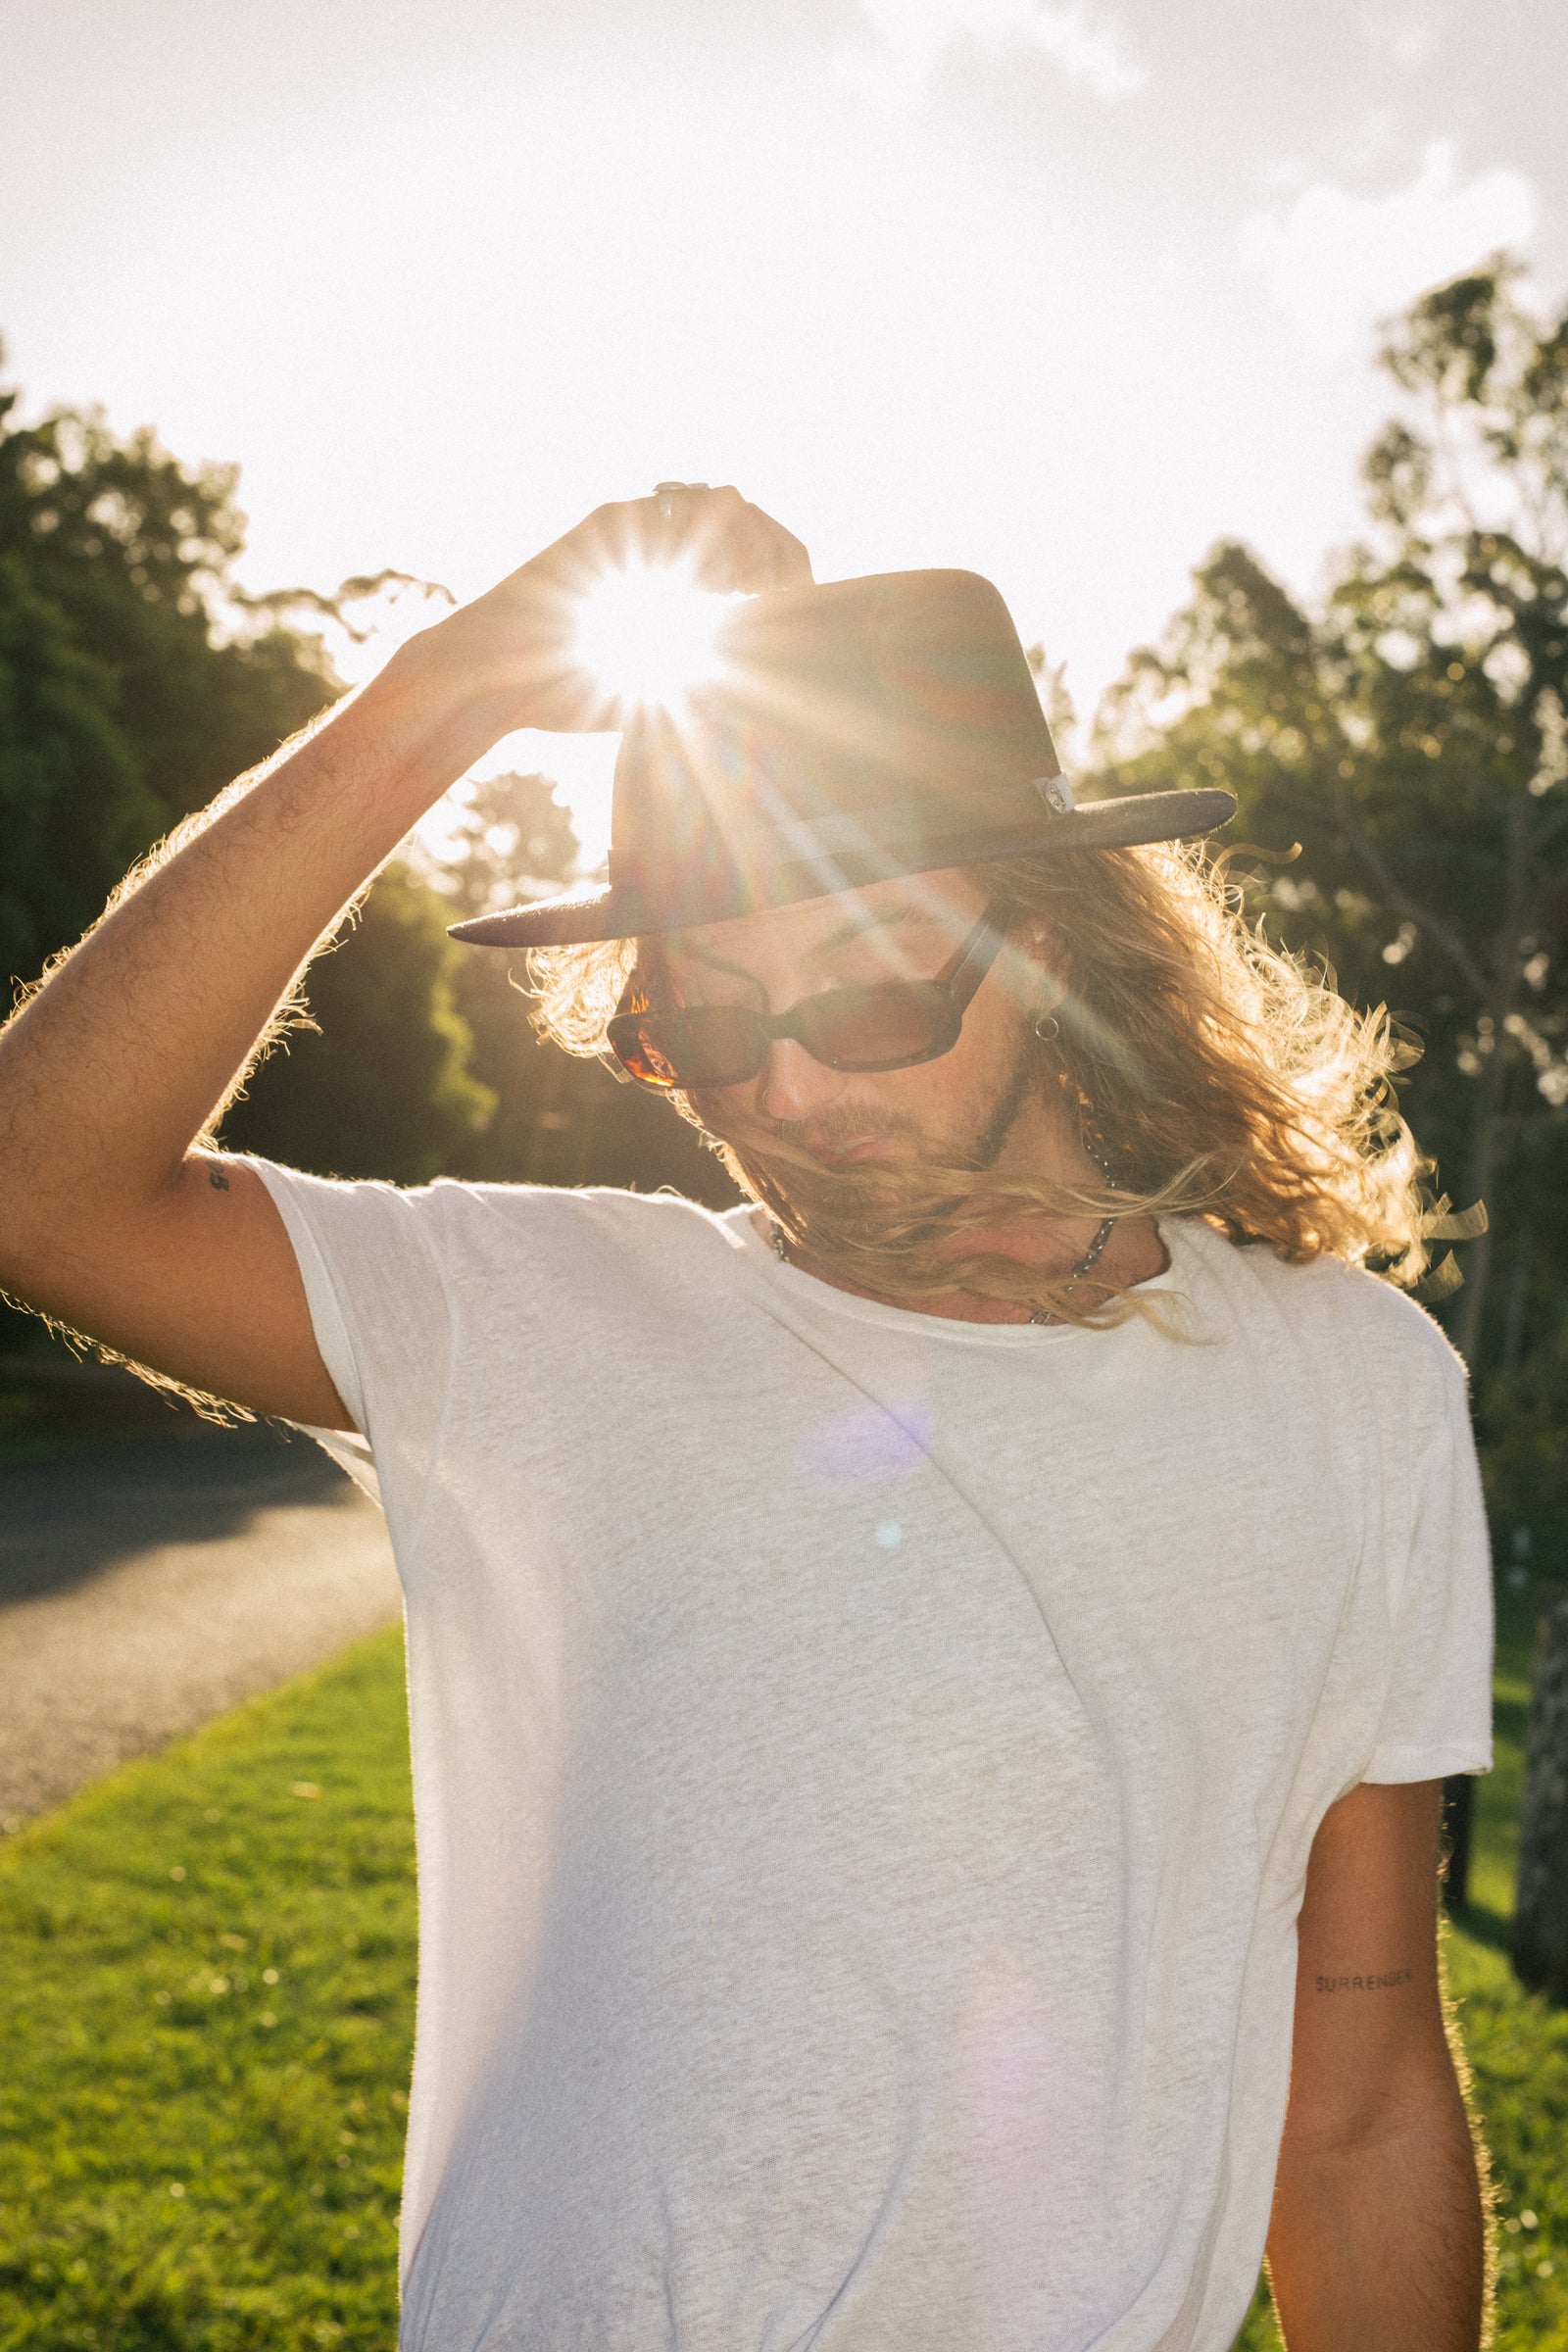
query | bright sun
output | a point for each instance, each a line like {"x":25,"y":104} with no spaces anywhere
{"x":649,"y":634}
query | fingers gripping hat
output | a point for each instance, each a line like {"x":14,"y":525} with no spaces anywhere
{"x":854,"y":731}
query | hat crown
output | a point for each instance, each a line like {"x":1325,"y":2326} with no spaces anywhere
{"x":854,"y":728}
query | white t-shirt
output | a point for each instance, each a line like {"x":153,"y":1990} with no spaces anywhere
{"x":865,"y":1764}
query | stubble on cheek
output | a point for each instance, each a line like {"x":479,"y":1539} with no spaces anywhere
{"x":1021,"y":1081}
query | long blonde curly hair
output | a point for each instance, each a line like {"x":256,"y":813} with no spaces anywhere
{"x":1214,"y":1074}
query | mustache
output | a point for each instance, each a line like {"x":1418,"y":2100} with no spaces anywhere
{"x":841,"y":1128}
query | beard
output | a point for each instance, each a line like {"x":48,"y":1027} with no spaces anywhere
{"x":921,"y":1221}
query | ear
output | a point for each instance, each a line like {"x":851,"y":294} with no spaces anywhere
{"x":1042,"y":947}
{"x":1029,"y":971}
{"x":1048,"y":950}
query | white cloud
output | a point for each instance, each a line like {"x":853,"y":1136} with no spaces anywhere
{"x":1337,"y":261}
{"x":911,"y":36}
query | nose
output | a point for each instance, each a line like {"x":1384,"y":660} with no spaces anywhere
{"x":794,"y":1086}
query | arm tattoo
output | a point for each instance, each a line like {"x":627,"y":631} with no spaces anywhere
{"x":1395,"y":1975}
{"x":218,"y":1180}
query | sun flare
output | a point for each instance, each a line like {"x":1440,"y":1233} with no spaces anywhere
{"x":649,"y":634}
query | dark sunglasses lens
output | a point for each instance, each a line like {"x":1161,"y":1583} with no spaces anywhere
{"x":877,"y":1028}
{"x":712,"y":1045}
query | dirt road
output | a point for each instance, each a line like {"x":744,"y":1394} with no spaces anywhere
{"x":146,"y":1586}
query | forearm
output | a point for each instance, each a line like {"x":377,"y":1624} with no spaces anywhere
{"x":1380,"y":2247}
{"x":110,"y":1070}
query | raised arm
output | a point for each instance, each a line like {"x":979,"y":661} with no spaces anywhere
{"x":110,"y":1217}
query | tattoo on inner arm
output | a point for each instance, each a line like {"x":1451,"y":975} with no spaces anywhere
{"x":219,"y":1184}
{"x":1394,"y":1975}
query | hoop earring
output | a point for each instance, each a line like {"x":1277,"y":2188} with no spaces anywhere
{"x":1046,"y":1028}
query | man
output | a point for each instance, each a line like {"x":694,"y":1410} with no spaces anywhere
{"x":929,"y":1692}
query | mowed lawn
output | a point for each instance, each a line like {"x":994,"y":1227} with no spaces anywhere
{"x":207,"y":2004}
{"x":206,"y":2010}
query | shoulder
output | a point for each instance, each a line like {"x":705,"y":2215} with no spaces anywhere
{"x":666,"y":1220}
{"x":1340,"y":1307}
{"x":661,"y":1235}
{"x":467,"y":1229}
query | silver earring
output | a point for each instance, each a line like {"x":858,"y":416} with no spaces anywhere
{"x":1048,"y":1027}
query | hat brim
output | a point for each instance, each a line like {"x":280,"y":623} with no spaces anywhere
{"x":609,"y":910}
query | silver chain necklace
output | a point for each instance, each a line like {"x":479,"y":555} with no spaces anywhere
{"x":1086,"y":1264}
{"x":1092,"y":1255}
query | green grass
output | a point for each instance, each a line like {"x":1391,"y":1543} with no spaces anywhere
{"x":207,"y":2009}
{"x":194,"y":2158}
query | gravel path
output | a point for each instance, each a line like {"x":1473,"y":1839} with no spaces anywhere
{"x":147,"y":1587}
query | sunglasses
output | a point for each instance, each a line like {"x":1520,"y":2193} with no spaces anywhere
{"x":893,"y":1025}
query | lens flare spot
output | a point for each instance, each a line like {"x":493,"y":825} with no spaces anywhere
{"x":890,"y":1535}
{"x":649,"y":634}
{"x":865,"y":1446}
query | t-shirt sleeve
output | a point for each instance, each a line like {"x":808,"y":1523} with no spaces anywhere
{"x":370,"y":1258}
{"x":1436,"y":1712}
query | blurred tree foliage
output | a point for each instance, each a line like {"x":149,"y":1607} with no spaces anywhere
{"x":74,"y":811}
{"x":381,"y":1083}
{"x":1410,"y":734}
{"x":123,"y":705}
{"x":512,"y":842}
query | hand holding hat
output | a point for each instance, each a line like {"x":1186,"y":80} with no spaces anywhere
{"x":508,"y":656}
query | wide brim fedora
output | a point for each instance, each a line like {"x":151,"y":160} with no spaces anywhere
{"x":854,"y":731}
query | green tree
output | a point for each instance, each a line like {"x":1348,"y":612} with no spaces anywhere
{"x":74,"y":811}
{"x":134,"y":553}
{"x":1410,"y":734}
{"x":512,"y":841}
{"x":378,"y":1084}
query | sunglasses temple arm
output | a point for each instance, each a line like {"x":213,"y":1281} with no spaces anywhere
{"x":980,"y":953}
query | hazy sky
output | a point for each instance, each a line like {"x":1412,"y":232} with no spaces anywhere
{"x":1054,"y":290}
